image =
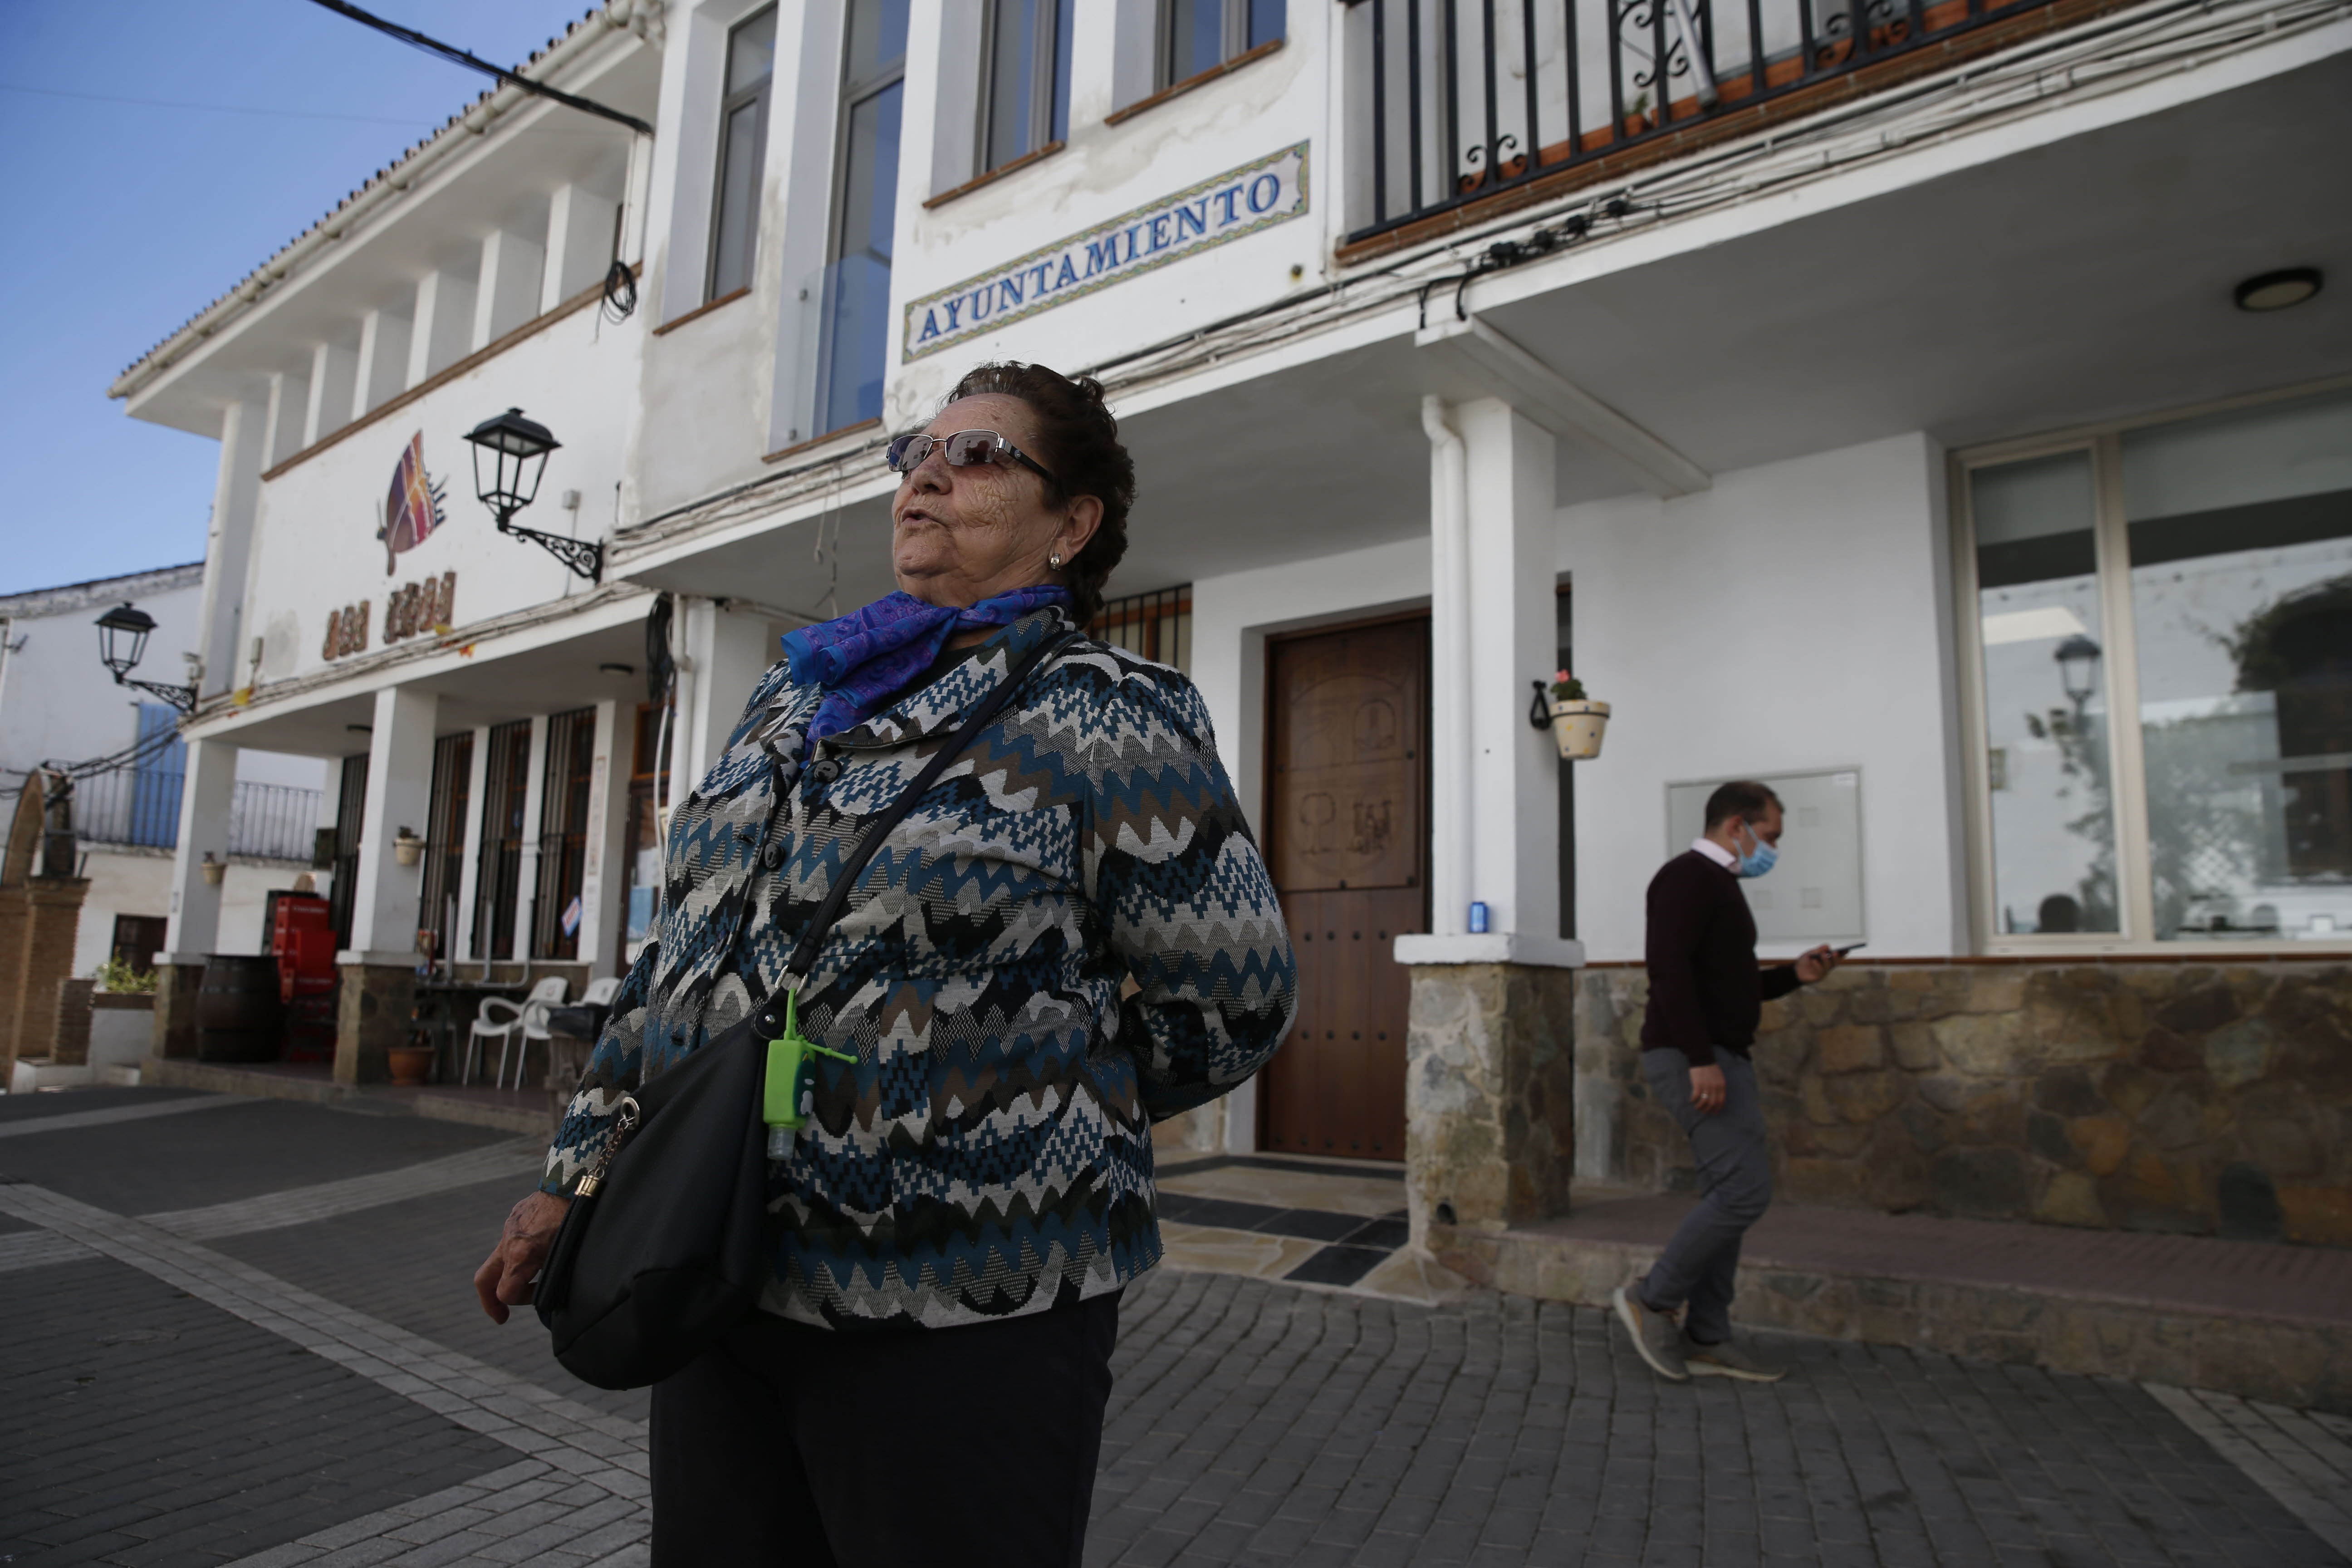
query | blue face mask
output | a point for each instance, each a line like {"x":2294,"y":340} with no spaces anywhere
{"x":1762,"y":858}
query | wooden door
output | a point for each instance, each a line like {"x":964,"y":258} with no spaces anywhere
{"x":1348,"y":841}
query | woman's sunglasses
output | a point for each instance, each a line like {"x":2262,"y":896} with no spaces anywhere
{"x":965,"y":448}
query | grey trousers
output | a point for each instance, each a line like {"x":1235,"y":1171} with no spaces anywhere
{"x":1735,"y":1183}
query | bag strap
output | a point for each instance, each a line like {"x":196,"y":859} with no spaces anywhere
{"x":805,"y":952}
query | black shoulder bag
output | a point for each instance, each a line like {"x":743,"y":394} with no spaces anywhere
{"x":665,"y":1245}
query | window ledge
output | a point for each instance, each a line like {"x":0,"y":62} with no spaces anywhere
{"x":1177,"y":90}
{"x":998,"y":172}
{"x":675,"y":322}
{"x":828,"y":438}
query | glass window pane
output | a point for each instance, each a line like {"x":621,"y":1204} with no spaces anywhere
{"x":734,"y":235}
{"x":877,"y":38}
{"x":1266,"y":21}
{"x":2045,"y":701}
{"x":856,"y":302}
{"x":1196,"y":37}
{"x":751,"y":52}
{"x":2241,"y":530}
{"x":1063,"y":21}
{"x":1013,"y":52}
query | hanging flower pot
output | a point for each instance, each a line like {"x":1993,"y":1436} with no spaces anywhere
{"x":406,"y":847}
{"x":1577,"y":722}
{"x":1578,"y":726}
{"x":214,"y":871}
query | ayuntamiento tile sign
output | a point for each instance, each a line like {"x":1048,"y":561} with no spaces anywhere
{"x":1257,"y":195}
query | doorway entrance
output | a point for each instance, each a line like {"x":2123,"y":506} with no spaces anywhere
{"x":1347,"y":843}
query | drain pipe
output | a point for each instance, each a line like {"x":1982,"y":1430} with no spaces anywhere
{"x":1452,"y":836}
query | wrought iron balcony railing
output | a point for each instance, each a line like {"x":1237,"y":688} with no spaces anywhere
{"x":1458,"y":100}
{"x":141,"y":807}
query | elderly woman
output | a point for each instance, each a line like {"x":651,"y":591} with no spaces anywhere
{"x":951,"y":1231}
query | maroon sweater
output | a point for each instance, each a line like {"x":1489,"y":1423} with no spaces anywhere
{"x":1705,"y":992}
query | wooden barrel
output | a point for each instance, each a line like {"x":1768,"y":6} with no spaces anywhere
{"x":237,"y":1009}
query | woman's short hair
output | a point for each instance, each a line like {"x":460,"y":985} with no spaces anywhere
{"x":1079,"y":442}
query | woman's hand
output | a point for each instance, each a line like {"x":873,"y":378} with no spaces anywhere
{"x":1707,"y":1092}
{"x":506,"y":1276}
{"x":1817,"y":965}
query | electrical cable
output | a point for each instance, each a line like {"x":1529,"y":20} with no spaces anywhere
{"x":456,"y":56}
{"x":620,"y":302}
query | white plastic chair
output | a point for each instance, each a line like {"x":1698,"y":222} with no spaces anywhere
{"x":503,"y":1018}
{"x":600,"y":992}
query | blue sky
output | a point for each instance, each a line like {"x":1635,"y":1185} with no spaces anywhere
{"x":123,"y":219}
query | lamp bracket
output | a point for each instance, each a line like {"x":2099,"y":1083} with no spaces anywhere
{"x":585,"y":558}
{"x":182,"y":698}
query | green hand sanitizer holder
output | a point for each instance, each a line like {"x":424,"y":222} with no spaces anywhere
{"x":790,"y":1087}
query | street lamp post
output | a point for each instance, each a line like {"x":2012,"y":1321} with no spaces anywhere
{"x":518,"y":449}
{"x":122,"y":635}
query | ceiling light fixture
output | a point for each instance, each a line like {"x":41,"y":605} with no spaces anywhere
{"x":2277,"y":291}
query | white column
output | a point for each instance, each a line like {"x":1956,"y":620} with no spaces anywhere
{"x":1514,"y":861}
{"x":228,"y":544}
{"x":469,"y":875}
{"x":334,"y":372}
{"x":600,"y":915}
{"x":1451,"y":831}
{"x":508,"y":295}
{"x":382,"y":370}
{"x":730,"y":653}
{"x":443,"y":333}
{"x":289,"y":403}
{"x":205,"y":798}
{"x":399,"y":795}
{"x":534,"y":801}
{"x":580,"y":236}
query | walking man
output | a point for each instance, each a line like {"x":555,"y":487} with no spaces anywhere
{"x":1705,"y":996}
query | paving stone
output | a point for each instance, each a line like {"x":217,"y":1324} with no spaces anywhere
{"x":328,"y":1393}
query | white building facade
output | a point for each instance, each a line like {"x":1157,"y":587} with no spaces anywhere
{"x":61,"y":708}
{"x":1899,"y":412}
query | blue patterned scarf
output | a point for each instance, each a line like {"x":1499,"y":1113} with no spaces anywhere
{"x":865,"y":657}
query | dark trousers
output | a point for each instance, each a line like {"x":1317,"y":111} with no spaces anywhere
{"x":1735,"y":1185}
{"x":792,"y":1446}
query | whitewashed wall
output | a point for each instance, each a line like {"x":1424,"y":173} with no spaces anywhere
{"x":1795,"y":617}
{"x":1105,"y":172}
{"x":59,"y":702}
{"x":315,"y":547}
{"x":138,"y":882}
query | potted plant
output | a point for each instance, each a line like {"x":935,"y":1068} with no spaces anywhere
{"x":1577,"y":722}
{"x":406,"y":847}
{"x":411,"y":1064}
{"x":214,"y":871}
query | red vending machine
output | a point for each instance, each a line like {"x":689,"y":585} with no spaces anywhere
{"x":302,"y":939}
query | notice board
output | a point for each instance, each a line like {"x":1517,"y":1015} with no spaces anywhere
{"x":1814,"y":894}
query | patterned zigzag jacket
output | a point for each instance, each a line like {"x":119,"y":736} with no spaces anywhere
{"x":989,"y":1152}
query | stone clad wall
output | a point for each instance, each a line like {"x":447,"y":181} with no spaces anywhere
{"x":1489,"y":1094}
{"x":2208,"y":1098}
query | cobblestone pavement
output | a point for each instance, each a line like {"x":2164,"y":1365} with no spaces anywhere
{"x":280,"y":1365}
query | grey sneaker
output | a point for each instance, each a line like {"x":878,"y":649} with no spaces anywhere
{"x":1725,"y":1359}
{"x":1656,"y":1338}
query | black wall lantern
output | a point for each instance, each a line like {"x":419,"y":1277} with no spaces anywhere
{"x":2078,"y":669}
{"x":122,"y":635}
{"x":518,"y":449}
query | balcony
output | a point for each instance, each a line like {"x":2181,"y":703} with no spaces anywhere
{"x":1471,"y":108}
{"x":139,"y":808}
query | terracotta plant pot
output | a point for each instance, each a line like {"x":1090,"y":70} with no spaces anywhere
{"x":411,"y":1065}
{"x":1578,"y":727}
